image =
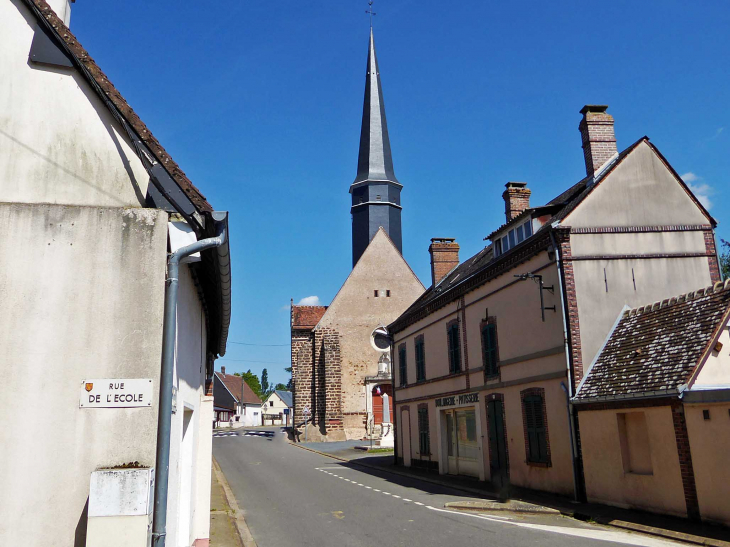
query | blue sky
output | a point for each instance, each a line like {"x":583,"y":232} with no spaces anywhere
{"x":259,"y":101}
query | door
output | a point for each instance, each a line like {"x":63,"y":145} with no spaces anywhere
{"x":378,"y":402}
{"x":498,"y":464}
{"x":405,"y":434}
{"x":453,"y":465}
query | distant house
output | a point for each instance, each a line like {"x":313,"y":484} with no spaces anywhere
{"x":654,"y":408}
{"x":277,"y":408}
{"x":234,"y":401}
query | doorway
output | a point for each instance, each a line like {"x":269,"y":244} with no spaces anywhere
{"x":498,"y":459}
{"x":462,"y":447}
{"x":405,"y":436}
{"x":377,"y":395}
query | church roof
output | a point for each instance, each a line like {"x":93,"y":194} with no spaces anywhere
{"x":375,"y":161}
{"x":306,"y":317}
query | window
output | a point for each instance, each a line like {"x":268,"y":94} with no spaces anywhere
{"x":498,"y":247}
{"x":489,"y":348}
{"x":402,"y":364}
{"x":387,"y":293}
{"x":520,"y":235}
{"x":511,"y":235}
{"x":634,"y":441}
{"x":375,"y":293}
{"x":535,"y":423}
{"x":420,"y":360}
{"x":454,"y":343}
{"x":271,"y":403}
{"x":424,"y":439}
{"x":528,"y":228}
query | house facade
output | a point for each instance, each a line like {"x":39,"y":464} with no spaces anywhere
{"x":487,"y":359}
{"x":236,"y":404}
{"x":277,"y":408}
{"x":654,"y":408}
{"x":91,"y":206}
{"x":340,"y":353}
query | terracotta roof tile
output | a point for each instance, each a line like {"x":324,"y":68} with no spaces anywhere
{"x":655,"y":348}
{"x":233,"y":383}
{"x":306,"y":317}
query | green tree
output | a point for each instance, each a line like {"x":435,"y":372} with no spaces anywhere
{"x":289,"y":383}
{"x":725,"y":258}
{"x":265,"y":381}
{"x":253,"y":382}
{"x":280,"y":387}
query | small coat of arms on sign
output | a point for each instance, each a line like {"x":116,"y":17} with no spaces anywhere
{"x":89,"y":386}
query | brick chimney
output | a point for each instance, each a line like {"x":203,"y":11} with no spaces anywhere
{"x":444,"y":257}
{"x":516,"y":199}
{"x":597,"y":134}
{"x":223,"y":371}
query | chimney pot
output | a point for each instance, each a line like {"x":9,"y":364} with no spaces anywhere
{"x":444,"y":253}
{"x":516,"y":199}
{"x":223,"y":371}
{"x":597,"y":135}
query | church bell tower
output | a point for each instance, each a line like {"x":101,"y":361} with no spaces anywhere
{"x":376,"y":191}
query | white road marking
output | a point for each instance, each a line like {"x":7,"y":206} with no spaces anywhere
{"x":406,"y":499}
{"x":417,"y":503}
{"x":396,"y":496}
{"x":369,"y":487}
{"x":601,"y":535}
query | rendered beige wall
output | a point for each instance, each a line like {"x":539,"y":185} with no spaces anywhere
{"x":72,"y":280}
{"x":60,"y":145}
{"x":521,"y":335}
{"x":709,"y":442}
{"x":355,"y":312}
{"x":641,"y":191}
{"x":606,"y":481}
{"x":715,"y":371}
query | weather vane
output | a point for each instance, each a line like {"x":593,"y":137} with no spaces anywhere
{"x":370,"y":11}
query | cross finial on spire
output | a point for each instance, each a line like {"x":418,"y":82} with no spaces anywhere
{"x":370,"y":12}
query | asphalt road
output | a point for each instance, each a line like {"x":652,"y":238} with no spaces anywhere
{"x":291,"y":496}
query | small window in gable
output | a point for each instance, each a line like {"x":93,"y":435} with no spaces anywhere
{"x":375,"y":293}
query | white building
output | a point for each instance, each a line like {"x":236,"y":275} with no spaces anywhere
{"x":277,"y":408}
{"x":83,"y":284}
{"x":236,"y":404}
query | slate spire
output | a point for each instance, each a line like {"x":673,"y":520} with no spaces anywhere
{"x":375,"y":191}
{"x":375,"y":161}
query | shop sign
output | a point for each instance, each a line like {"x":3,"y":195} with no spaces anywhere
{"x":463,"y":399}
{"x":116,"y":393}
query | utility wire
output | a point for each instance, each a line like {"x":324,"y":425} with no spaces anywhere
{"x":255,"y":361}
{"x":262,"y":345}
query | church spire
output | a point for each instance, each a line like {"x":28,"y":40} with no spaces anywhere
{"x":375,"y":191}
{"x":374,"y":161}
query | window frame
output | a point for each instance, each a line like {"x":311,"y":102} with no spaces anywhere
{"x":419,"y":344}
{"x":537,"y":439}
{"x":402,"y":365}
{"x":491,"y":370}
{"x":424,"y":433}
{"x":453,"y":344}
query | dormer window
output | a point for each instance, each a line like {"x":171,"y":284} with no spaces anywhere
{"x":513,"y":237}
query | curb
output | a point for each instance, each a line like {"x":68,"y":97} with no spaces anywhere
{"x":621,"y":524}
{"x":241,"y":527}
{"x":522,"y":507}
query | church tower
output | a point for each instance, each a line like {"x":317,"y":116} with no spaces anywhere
{"x":376,"y":191}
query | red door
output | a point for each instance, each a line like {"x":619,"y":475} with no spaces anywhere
{"x":378,"y":402}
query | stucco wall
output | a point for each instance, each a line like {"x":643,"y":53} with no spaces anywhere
{"x":60,"y":144}
{"x":709,"y":442}
{"x":606,"y":481}
{"x":640,"y":192}
{"x":715,"y":371}
{"x":355,"y":312}
{"x":527,"y":346}
{"x":82,"y":289}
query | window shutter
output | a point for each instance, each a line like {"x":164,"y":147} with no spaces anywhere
{"x":489,"y":347}
{"x":535,"y":420}
{"x":402,"y":366}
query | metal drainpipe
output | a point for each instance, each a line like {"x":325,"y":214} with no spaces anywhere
{"x":162,"y":467}
{"x":568,"y":390}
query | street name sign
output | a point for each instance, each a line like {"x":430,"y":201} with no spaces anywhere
{"x":116,"y":393}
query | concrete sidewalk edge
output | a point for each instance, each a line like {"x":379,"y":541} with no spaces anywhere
{"x":650,"y":530}
{"x":243,"y":532}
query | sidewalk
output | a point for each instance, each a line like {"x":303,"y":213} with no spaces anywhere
{"x":227,"y":527}
{"x":677,"y":529}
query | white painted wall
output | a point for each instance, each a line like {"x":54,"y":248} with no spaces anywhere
{"x":82,"y":281}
